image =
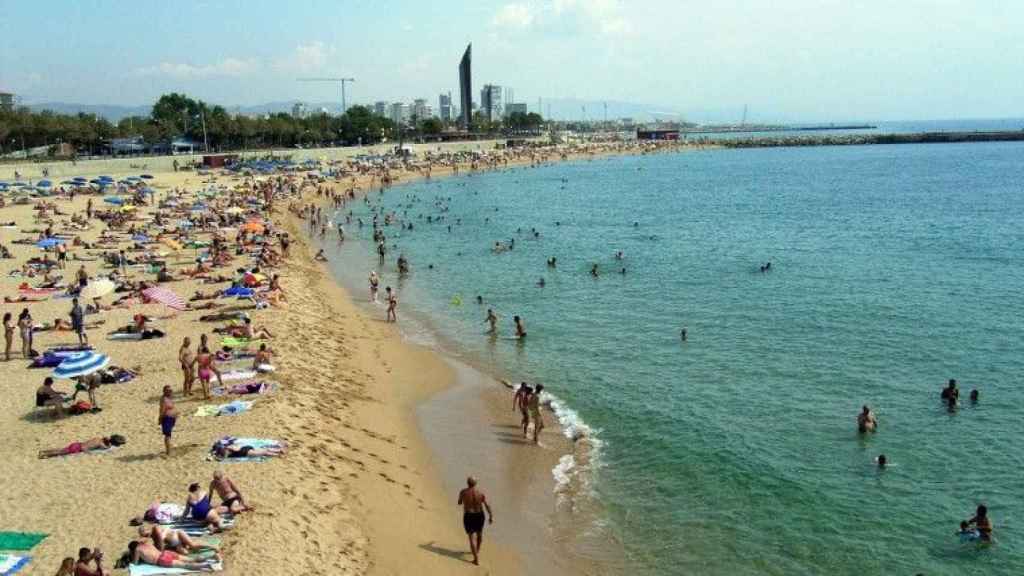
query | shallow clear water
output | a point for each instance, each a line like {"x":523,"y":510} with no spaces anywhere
{"x":894,"y":269}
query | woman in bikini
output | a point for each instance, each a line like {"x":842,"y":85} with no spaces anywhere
{"x":207,"y":368}
{"x":8,"y":335}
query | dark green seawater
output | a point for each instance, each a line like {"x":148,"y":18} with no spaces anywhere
{"x":893,"y":269}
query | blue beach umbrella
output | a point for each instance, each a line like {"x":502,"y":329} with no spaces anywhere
{"x":49,"y":242}
{"x":146,"y":176}
{"x":44,"y":184}
{"x":113,"y":200}
{"x":107,"y":178}
{"x":80,"y":364}
{"x":80,"y":179}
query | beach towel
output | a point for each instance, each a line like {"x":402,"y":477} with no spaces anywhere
{"x":232,"y":342}
{"x":20,"y":541}
{"x":245,"y":389}
{"x":238,"y":375}
{"x":257,"y":443}
{"x":229,"y":409}
{"x":197,"y":528}
{"x":11,"y":563}
{"x":150,"y":570}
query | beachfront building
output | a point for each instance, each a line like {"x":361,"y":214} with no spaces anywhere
{"x":490,"y":102}
{"x":6,"y":101}
{"x":399,"y":113}
{"x":380,"y":108}
{"x":298,"y":110}
{"x":420,"y":109}
{"x":466,"y":89}
{"x":513,"y":108}
{"x":444,"y":107}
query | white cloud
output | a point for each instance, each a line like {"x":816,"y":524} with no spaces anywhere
{"x":306,"y":58}
{"x":603,"y":17}
{"x":515,"y":16}
{"x":234,"y":67}
{"x":606,"y":16}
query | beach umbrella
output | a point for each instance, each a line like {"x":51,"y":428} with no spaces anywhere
{"x":140,"y":238}
{"x":80,"y":364}
{"x":113,"y":200}
{"x":80,"y":179}
{"x":107,"y":178}
{"x":165,"y":297}
{"x":49,"y":242}
{"x":97,"y":289}
{"x":133,"y":179}
{"x":237,"y":291}
{"x":146,"y":176}
{"x":44,"y":184}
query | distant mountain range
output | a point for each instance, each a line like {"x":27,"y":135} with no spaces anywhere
{"x":556,"y":108}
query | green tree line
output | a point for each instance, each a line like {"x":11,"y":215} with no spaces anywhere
{"x":175,"y":115}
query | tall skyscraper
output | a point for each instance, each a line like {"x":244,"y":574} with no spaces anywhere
{"x":466,"y":88}
{"x":444,"y":107}
{"x":490,"y":102}
{"x":380,"y":108}
{"x":420,"y":109}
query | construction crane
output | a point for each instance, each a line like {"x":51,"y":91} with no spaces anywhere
{"x":341,"y":81}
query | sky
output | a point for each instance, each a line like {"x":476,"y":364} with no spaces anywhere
{"x":787,"y":60}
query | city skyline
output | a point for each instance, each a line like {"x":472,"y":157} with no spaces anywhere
{"x":801,"y":61}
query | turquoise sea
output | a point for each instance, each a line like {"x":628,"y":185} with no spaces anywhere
{"x":893,"y":269}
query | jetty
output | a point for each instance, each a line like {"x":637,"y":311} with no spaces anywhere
{"x":762,"y":141}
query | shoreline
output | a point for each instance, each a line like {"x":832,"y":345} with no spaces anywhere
{"x":451,"y":425}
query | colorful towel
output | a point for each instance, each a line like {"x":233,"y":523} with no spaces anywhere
{"x":229,"y":409}
{"x":11,"y":563}
{"x":238,"y":375}
{"x":20,"y":541}
{"x":245,"y":389}
{"x":257,"y":443}
{"x":150,"y":570}
{"x":232,"y":342}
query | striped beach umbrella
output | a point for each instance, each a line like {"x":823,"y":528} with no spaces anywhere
{"x":80,"y":364}
{"x":165,"y":297}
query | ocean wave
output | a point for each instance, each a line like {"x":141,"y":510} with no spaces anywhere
{"x":574,"y":472}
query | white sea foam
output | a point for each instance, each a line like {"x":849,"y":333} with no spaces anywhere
{"x":573,"y":472}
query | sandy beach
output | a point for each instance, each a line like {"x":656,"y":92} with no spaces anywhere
{"x":359,"y":491}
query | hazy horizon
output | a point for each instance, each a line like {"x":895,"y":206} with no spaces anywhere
{"x":802,"y":61}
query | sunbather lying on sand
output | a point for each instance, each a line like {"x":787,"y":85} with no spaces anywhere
{"x":142,"y":552}
{"x":236,"y":450}
{"x":98,"y":443}
{"x":165,"y":538}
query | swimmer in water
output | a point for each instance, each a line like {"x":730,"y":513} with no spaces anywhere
{"x":618,"y":255}
{"x":491,"y":319}
{"x":541,"y":283}
{"x":593,"y":271}
{"x":881,"y":461}
{"x":552,"y":262}
{"x":682,"y":334}
{"x":974,"y":396}
{"x":866,"y":421}
{"x":520,"y":327}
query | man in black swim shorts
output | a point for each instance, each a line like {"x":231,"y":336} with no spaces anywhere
{"x":473,"y":504}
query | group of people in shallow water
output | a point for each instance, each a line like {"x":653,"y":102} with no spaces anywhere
{"x":977,"y":528}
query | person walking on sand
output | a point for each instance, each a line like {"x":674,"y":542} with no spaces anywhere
{"x":520,"y":402}
{"x":168,"y":417}
{"x":8,"y":335}
{"x":78,"y":322}
{"x":533,"y":403}
{"x":473,"y":503}
{"x":25,"y":330}
{"x":187,"y":360}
